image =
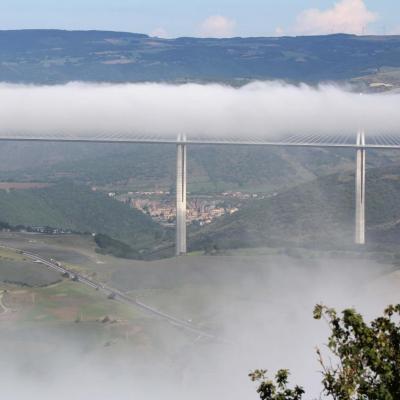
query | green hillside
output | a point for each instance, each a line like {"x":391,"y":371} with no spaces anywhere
{"x":148,"y":167}
{"x":78,"y":208}
{"x":317,"y":214}
{"x":313,"y":206}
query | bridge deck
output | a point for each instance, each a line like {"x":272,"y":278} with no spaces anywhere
{"x":339,"y":141}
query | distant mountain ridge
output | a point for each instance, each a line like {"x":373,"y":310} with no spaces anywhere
{"x":56,"y":56}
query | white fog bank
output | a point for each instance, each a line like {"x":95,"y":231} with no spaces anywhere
{"x":262,"y":310}
{"x":259,"y":109}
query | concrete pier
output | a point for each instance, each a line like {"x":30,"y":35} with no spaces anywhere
{"x":181,"y":197}
{"x":360,"y":190}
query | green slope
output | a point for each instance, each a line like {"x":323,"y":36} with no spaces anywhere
{"x":78,"y":208}
{"x":210,"y":168}
{"x":318,"y":213}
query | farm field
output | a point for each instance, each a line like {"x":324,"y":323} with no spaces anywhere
{"x":17,"y":269}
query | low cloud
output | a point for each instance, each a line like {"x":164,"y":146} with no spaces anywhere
{"x":160,"y":32}
{"x":217,"y":26}
{"x":261,"y":306}
{"x":259,"y":109}
{"x":346,"y":16}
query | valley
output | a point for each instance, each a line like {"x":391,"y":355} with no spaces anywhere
{"x":132,"y":268}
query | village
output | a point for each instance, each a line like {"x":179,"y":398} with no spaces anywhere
{"x":201,"y":210}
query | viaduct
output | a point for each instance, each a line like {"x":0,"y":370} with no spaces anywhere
{"x":357,"y":142}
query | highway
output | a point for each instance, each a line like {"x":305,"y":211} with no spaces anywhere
{"x":115,"y":294}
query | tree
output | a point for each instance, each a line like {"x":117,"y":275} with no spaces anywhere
{"x":269,"y":390}
{"x":366,"y":359}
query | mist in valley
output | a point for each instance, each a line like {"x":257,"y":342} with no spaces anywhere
{"x":258,"y":307}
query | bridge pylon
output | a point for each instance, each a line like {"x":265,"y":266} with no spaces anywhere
{"x":360,"y":189}
{"x":181,"y":178}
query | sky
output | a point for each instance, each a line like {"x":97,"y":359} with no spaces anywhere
{"x":207,"y":18}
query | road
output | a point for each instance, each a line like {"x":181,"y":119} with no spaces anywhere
{"x":115,"y":293}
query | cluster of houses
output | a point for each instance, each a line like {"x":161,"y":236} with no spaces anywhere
{"x":198,"y":211}
{"x":161,"y":207}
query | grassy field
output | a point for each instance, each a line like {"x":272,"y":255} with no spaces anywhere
{"x":71,"y":307}
{"x":71,"y":301}
{"x":17,"y":269}
{"x":69,"y":311}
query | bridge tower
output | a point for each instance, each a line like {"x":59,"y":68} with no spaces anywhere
{"x":181,"y":196}
{"x":360,"y":189}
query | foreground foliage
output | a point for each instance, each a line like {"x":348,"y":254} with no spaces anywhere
{"x":367,"y":359}
{"x":278,"y":390}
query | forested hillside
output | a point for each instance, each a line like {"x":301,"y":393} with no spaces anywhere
{"x":77,"y":208}
{"x":150,"y":167}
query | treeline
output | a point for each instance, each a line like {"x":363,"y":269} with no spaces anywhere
{"x":48,"y":230}
{"x":109,"y":246}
